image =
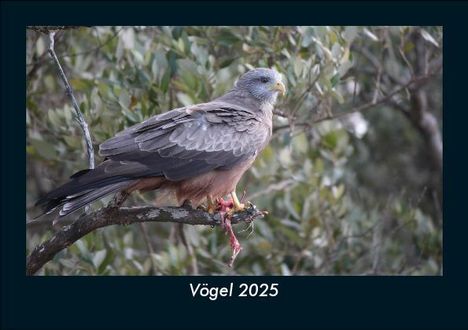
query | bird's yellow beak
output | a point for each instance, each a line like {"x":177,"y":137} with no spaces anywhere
{"x":279,"y":86}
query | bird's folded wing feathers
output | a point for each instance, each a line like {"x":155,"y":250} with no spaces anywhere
{"x":189,"y":141}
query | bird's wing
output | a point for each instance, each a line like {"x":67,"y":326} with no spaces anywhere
{"x":187,"y":142}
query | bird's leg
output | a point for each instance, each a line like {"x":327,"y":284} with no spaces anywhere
{"x":211,"y":205}
{"x":119,"y":198}
{"x":237,"y":206}
{"x":187,"y":204}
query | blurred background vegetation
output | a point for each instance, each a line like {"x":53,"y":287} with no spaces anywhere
{"x":352,"y":178}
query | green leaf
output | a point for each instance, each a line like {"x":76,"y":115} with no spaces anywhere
{"x":81,"y":84}
{"x":307,"y":37}
{"x":40,"y":46}
{"x":124,"y":98}
{"x":184,"y":99}
{"x":200,"y":53}
{"x":54,"y":118}
{"x":160,"y":65}
{"x":227,"y":38}
{"x":330,"y":140}
{"x":338,"y":191}
{"x":335,"y":79}
{"x":43,"y":148}
{"x":336,"y":50}
{"x":337,"y":96}
{"x":226,"y":62}
{"x":73,"y":141}
{"x":350,"y":33}
{"x":427,"y":36}
{"x":300,"y":143}
{"x":98,"y":258}
{"x":166,"y":79}
{"x":344,"y":68}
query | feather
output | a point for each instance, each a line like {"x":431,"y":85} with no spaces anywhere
{"x":73,"y":204}
{"x":189,"y":169}
{"x":182,"y":144}
{"x":150,"y":135}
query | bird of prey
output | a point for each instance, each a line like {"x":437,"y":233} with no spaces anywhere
{"x":200,"y":152}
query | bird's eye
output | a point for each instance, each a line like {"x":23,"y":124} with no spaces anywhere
{"x":264,"y":80}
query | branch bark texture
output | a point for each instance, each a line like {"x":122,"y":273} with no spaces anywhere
{"x":108,"y":216}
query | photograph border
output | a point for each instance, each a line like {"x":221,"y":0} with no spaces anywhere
{"x":166,"y":301}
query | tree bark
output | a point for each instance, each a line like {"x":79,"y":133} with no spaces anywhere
{"x":124,"y":216}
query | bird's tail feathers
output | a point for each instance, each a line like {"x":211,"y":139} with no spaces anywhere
{"x":85,"y":187}
{"x":77,"y":201}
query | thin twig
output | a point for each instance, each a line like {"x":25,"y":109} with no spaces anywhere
{"x":48,"y":28}
{"x":277,"y":186}
{"x":280,"y":113}
{"x":85,"y":52}
{"x":416,"y":80}
{"x":69,"y":90}
{"x":149,"y":247}
{"x":189,"y":248}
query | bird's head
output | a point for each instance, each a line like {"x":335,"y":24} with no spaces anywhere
{"x":264,"y":84}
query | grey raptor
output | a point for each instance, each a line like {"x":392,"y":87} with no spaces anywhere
{"x":199,"y":152}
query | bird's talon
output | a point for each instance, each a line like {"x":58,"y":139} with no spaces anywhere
{"x":236,"y":209}
{"x":211,"y":209}
{"x":239,"y":208}
{"x":208,"y":209}
{"x":187,"y":204}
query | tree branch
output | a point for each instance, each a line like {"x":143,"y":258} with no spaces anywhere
{"x":68,"y":55}
{"x":413,"y":83}
{"x":420,"y":113}
{"x":46,"y":29}
{"x":109,"y":216}
{"x":79,"y":115}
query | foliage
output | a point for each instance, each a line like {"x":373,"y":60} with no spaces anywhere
{"x":354,"y":195}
